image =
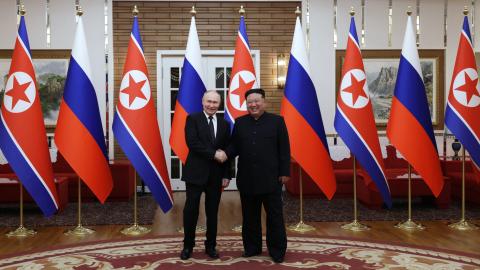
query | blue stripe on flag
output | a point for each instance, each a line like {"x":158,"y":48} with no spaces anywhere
{"x":410,"y":91}
{"x":141,"y":164}
{"x":80,"y":96}
{"x":25,"y":173}
{"x":360,"y":151}
{"x":461,"y":131}
{"x":300,"y":91}
{"x":242,"y":29}
{"x":466,"y":28}
{"x":191,"y":89}
{"x":22,"y":33}
{"x":353,"y":29}
{"x":136,"y":32}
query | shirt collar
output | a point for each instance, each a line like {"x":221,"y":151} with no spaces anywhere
{"x":214,"y":116}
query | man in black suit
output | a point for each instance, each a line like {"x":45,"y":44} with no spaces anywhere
{"x":204,"y":171}
{"x":260,"y":139}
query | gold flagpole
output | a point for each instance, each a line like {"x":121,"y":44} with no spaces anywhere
{"x":462,"y":224}
{"x":238,"y":227}
{"x":410,"y":225}
{"x":355,"y":225}
{"x":21,"y":231}
{"x":79,"y":230}
{"x":135,"y":229}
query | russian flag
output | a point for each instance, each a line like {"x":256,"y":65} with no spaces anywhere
{"x":409,"y":127}
{"x":22,"y":131}
{"x":189,"y":99}
{"x":463,"y":104}
{"x":135,"y":123}
{"x":79,"y":134}
{"x":303,"y":119}
{"x":243,"y":77}
{"x":354,"y":119}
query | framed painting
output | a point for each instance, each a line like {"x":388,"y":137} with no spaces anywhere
{"x":51,"y":71}
{"x":381,"y":67}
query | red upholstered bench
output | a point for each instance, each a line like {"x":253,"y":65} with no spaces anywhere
{"x":398,"y":182}
{"x":396,"y":170}
{"x":453,"y":169}
{"x":123,"y":175}
{"x":343,"y":174}
{"x":10,"y":190}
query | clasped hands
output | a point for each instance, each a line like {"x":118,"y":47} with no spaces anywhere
{"x":220,"y":156}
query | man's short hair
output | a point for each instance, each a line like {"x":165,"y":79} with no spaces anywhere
{"x":255,"y":91}
{"x":212,"y":91}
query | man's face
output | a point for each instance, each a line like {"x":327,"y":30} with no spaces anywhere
{"x":255,"y":105}
{"x":211,"y":102}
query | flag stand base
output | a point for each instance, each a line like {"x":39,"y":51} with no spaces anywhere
{"x":21,"y":232}
{"x":135,"y":230}
{"x":198,"y":229}
{"x":410,"y":225}
{"x":463,"y":225}
{"x":80,"y":231}
{"x":301,"y":227}
{"x":355,"y":226}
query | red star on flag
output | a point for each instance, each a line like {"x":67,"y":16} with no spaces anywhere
{"x":356,"y":88}
{"x":242,"y":89}
{"x":470,"y":87}
{"x":18,"y":92}
{"x":134,"y":90}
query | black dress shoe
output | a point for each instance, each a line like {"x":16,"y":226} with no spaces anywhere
{"x":212,"y":253}
{"x":277,"y":259}
{"x":186,"y":253}
{"x":247,"y":254}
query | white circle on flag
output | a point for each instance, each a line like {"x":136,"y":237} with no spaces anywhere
{"x":348,"y":94}
{"x":20,"y":92}
{"x":461,"y":95}
{"x":235,"y":96}
{"x":134,"y":90}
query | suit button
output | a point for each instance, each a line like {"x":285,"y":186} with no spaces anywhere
{"x":254,"y":132}
{"x":253,"y":142}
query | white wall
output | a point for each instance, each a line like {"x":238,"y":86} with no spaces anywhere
{"x":62,"y":27}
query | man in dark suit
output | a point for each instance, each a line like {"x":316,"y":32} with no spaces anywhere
{"x":260,"y":139}
{"x":204,"y":171}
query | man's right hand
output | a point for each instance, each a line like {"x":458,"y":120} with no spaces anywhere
{"x":220,"y":156}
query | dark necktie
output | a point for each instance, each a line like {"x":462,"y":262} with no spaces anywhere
{"x":211,"y":128}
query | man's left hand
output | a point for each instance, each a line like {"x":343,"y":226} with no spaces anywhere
{"x":283,"y":179}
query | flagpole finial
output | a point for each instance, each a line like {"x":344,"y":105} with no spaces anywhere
{"x":193,"y":12}
{"x":241,"y":11}
{"x":298,"y":12}
{"x":409,"y":10}
{"x":22,"y":10}
{"x":79,"y":10}
{"x":135,"y":10}
{"x":352,"y":11}
{"x":465,"y":10}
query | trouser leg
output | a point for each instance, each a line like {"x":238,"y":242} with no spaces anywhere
{"x":190,"y":214}
{"x":213,"y":194}
{"x":276,"y":234}
{"x":252,"y":223}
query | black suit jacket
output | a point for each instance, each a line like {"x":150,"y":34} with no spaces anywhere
{"x":263,"y":151}
{"x":200,"y":164}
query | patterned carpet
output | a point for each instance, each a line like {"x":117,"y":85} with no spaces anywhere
{"x":302,"y":253}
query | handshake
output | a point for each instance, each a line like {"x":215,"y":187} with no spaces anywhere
{"x":220,"y":156}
